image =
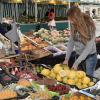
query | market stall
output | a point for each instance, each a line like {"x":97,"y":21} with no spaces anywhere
{"x":60,"y":25}
{"x":44,"y":82}
{"x":35,"y":74}
{"x":28,"y":81}
{"x":23,"y":78}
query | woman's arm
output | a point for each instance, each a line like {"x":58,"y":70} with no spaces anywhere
{"x":85,"y":52}
{"x":70,"y":47}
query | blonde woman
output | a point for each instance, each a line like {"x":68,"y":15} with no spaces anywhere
{"x":82,"y":39}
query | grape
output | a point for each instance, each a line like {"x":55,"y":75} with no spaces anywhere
{"x":59,"y":88}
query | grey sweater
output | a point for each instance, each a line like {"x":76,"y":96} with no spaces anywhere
{"x":80,"y":48}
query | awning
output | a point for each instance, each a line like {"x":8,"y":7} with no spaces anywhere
{"x":11,"y":1}
{"x":55,"y":1}
{"x":42,"y":1}
{"x":73,"y":0}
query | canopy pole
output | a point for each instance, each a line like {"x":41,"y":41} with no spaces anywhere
{"x":69,"y":5}
{"x":1,"y":11}
{"x":13,"y":11}
{"x":26,"y":7}
{"x":36,"y":12}
{"x":17,"y":15}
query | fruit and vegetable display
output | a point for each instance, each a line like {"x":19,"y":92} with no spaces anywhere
{"x":93,"y":91}
{"x":12,"y":90}
{"x":7,"y":94}
{"x":30,"y":88}
{"x":62,"y":73}
{"x":10,"y":72}
{"x":45,"y":39}
{"x":41,"y":43}
{"x":26,"y":45}
{"x":56,"y":85}
{"x":53,"y":37}
{"x":33,"y":50}
{"x":44,"y":91}
{"x":22,"y":79}
{"x":39,"y":68}
{"x":24,"y":82}
{"x":41,"y":95}
{"x":43,"y":82}
{"x":35,"y":54}
{"x":61,"y":89}
{"x":76,"y":96}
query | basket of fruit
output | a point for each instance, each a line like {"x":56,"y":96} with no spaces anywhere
{"x":59,"y":88}
{"x":92,"y":91}
{"x":65,"y":75}
{"x":76,"y":96}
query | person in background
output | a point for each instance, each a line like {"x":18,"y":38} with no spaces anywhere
{"x":82,"y":39}
{"x":46,"y":14}
{"x":98,"y":44}
{"x":51,"y":17}
{"x":24,"y":13}
{"x":8,"y":28}
{"x":94,"y":13}
{"x":87,"y":12}
{"x":4,"y":27}
{"x":11,"y":30}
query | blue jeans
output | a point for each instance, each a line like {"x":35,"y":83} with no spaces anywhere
{"x":91,"y":62}
{"x":88,"y":65}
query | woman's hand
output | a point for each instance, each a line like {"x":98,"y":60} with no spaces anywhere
{"x":74,"y":67}
{"x":65,"y":62}
{"x":97,"y":40}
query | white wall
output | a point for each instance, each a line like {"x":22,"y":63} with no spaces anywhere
{"x":95,"y":1}
{"x":90,"y":8}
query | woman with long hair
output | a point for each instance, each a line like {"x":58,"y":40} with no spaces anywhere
{"x":82,"y":39}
